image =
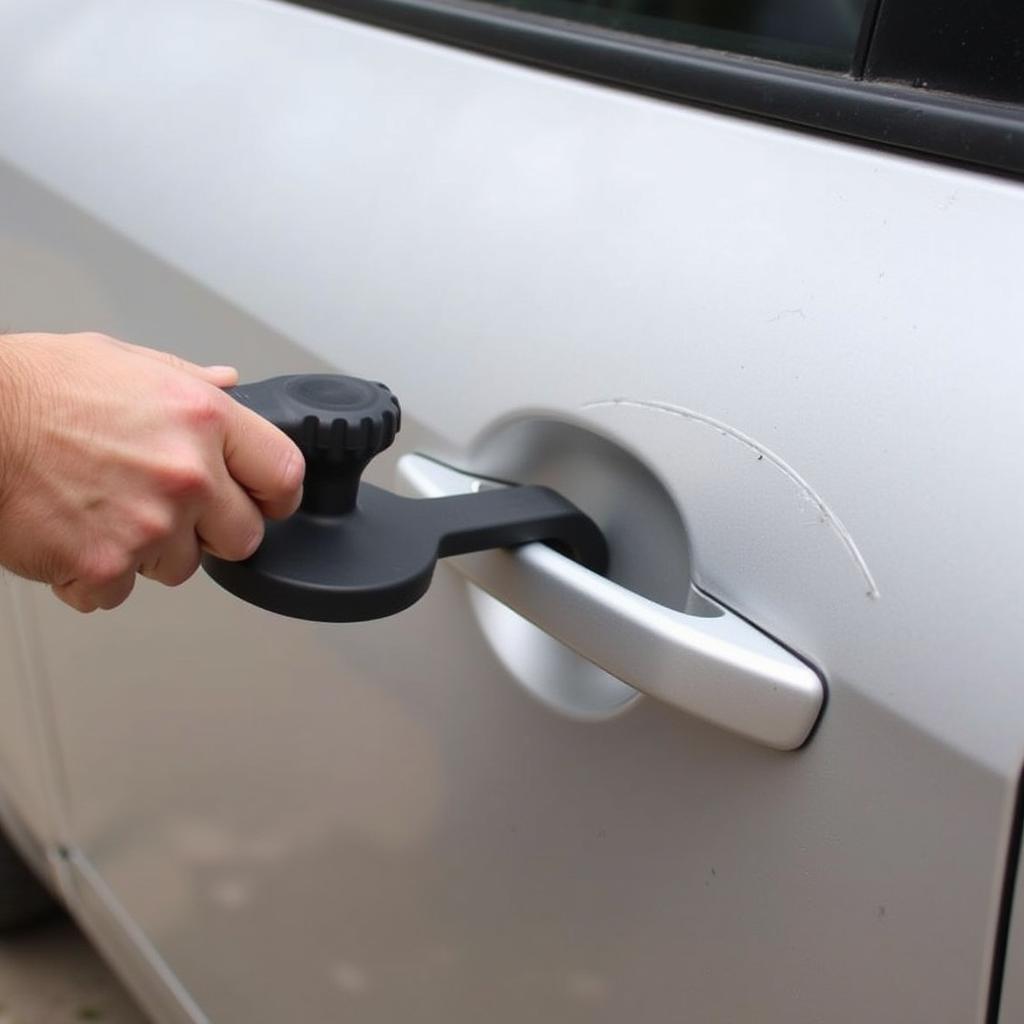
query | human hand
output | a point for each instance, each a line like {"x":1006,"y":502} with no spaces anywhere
{"x":117,"y":460}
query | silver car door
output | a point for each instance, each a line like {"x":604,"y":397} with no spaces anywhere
{"x":779,"y":369}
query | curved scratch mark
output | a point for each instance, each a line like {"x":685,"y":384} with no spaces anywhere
{"x":825,"y":513}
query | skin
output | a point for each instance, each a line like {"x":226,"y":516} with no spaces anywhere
{"x":118,"y":460}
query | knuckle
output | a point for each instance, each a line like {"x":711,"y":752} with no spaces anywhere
{"x":72,"y":596}
{"x":177,"y":571}
{"x":250,"y":540}
{"x":99,"y":568}
{"x":168,"y":357}
{"x":202,"y":408}
{"x":185,"y":479}
{"x":293,"y":469}
{"x":114,"y":598}
{"x":180,"y":574}
{"x":152,"y":526}
{"x":95,"y":337}
{"x":242,"y":543}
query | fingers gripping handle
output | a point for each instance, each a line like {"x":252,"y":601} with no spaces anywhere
{"x":339,"y":424}
{"x":354,"y":551}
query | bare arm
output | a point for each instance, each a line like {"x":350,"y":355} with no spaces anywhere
{"x":117,"y":460}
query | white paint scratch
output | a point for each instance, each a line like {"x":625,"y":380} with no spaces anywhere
{"x":825,"y":514}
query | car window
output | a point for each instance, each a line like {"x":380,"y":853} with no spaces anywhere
{"x":917,"y":77}
{"x":974,"y":49}
{"x":817,"y":33}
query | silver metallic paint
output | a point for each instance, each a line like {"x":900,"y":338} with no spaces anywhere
{"x":713,"y":665}
{"x":311,"y":822}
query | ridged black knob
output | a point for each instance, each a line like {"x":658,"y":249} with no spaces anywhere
{"x":339,"y":423}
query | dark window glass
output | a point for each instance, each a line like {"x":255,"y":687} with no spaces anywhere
{"x":975,"y":48}
{"x":818,"y":33}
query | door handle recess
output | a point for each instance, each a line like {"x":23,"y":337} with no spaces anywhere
{"x":718,"y":668}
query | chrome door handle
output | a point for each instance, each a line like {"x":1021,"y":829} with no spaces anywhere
{"x":720,"y":668}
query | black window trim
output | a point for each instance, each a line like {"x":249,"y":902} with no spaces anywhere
{"x":977,"y":133}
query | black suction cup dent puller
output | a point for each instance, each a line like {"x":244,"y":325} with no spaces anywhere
{"x":353,"y":551}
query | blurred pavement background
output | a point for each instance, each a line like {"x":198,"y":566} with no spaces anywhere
{"x":49,"y":974}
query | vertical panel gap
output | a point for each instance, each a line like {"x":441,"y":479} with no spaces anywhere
{"x":995,"y":989}
{"x":867,"y":33}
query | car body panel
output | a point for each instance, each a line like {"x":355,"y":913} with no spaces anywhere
{"x":811,"y":346}
{"x":19,"y":759}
